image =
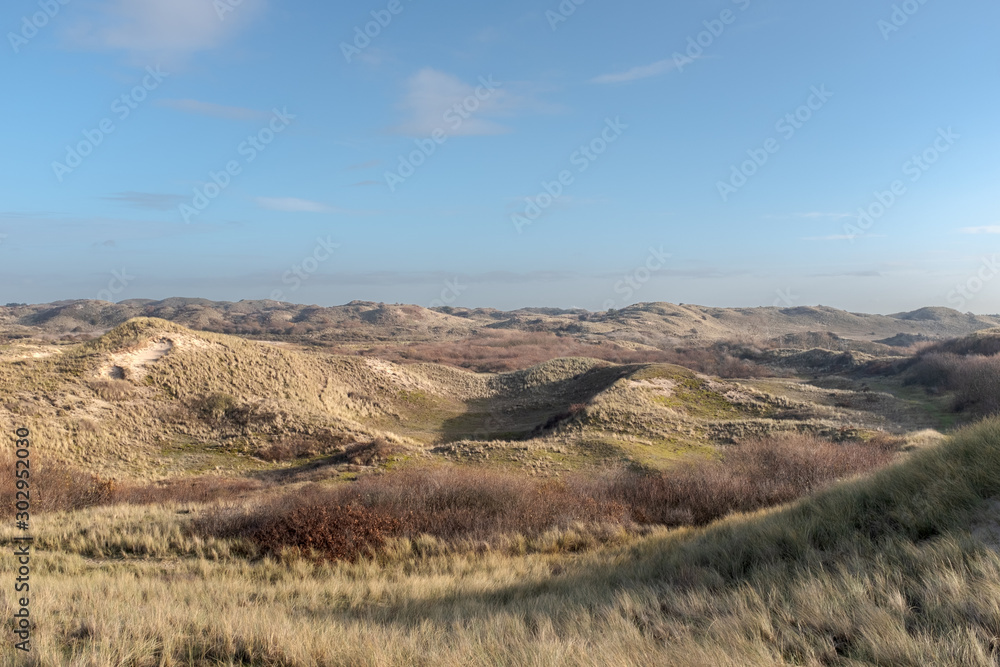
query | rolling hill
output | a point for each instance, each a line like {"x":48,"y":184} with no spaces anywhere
{"x":152,"y":398}
{"x":367,"y":322}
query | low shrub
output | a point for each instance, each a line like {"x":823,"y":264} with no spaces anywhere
{"x":55,"y":487}
{"x":298,"y":446}
{"x":224,"y":409}
{"x":333,"y":532}
{"x":975,"y":379}
{"x":751,"y":475}
{"x":216,"y":405}
{"x":481,"y":506}
{"x":502,"y":351}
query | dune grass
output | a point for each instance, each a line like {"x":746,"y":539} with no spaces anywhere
{"x":875,"y":570}
{"x":220,"y":402}
{"x":484,"y":507}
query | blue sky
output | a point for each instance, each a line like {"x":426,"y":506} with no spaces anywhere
{"x":507,"y":155}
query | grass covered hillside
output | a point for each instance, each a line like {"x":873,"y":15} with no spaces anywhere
{"x":153,"y":399}
{"x":484,"y":336}
{"x":899,"y":567}
{"x":817,"y":500}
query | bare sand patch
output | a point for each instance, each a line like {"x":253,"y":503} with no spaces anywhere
{"x":22,"y":352}
{"x":132,"y":365}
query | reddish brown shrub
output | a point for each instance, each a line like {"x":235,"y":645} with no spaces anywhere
{"x":188,"y":490}
{"x":751,"y":475}
{"x":455,"y":503}
{"x":299,"y":446}
{"x":481,"y":505}
{"x":975,"y":379}
{"x":55,"y":488}
{"x":375,"y":452}
{"x":334,"y":532}
{"x":451,"y":504}
{"x":501,"y":351}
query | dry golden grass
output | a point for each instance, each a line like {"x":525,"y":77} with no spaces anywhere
{"x":501,"y":350}
{"x":485,"y":507}
{"x":215,"y":401}
{"x":879,"y":570}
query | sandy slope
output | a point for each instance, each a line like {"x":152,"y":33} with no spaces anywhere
{"x":133,"y":364}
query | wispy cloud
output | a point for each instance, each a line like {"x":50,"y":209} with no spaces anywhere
{"x":151,"y":200}
{"x":431,"y":93}
{"x":367,"y":183}
{"x":406,"y":278}
{"x":636,"y":73}
{"x":293,"y":205}
{"x":694,"y":272}
{"x":211,"y":109}
{"x":158,"y":27}
{"x":989,"y":229}
{"x":85,"y":230}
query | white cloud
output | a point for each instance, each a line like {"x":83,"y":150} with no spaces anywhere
{"x":216,"y":110}
{"x":293,"y":205}
{"x":166,"y":29}
{"x":431,"y":93}
{"x":990,"y":229}
{"x":636,"y":73}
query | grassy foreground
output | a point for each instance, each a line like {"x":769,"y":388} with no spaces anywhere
{"x":877,"y":570}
